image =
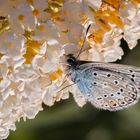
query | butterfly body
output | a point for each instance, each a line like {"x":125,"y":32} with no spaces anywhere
{"x":106,"y":85}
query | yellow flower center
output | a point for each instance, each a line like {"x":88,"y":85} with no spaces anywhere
{"x":41,"y":27}
{"x":21,"y":17}
{"x":33,"y":48}
{"x":10,"y":45}
{"x":35,"y":12}
{"x":55,"y":75}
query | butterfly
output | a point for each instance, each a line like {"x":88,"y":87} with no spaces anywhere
{"x":107,"y":86}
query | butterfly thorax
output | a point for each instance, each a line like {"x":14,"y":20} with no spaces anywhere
{"x":72,"y":61}
{"x":73,"y":68}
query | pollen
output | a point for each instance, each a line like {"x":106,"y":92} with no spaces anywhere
{"x":10,"y":45}
{"x":116,"y":4}
{"x":55,"y":5}
{"x":114,"y":18}
{"x":1,"y":78}
{"x":21,"y":17}
{"x":35,"y":12}
{"x":33,"y":48}
{"x":1,"y":55}
{"x":102,"y":23}
{"x":41,"y":27}
{"x":55,"y":75}
{"x":135,"y":2}
{"x":30,"y":1}
{"x":106,"y":16}
{"x":59,"y":72}
{"x":97,"y":36}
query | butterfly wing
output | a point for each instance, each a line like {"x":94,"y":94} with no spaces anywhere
{"x":109,"y":86}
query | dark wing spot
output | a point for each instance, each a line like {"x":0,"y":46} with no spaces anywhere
{"x":94,"y":83}
{"x":95,"y":74}
{"x":99,"y":98}
{"x":114,"y":104}
{"x":89,"y":95}
{"x":105,"y":95}
{"x":133,"y":95}
{"x":132,"y":79}
{"x":116,"y":82}
{"x":121,"y":90}
{"x":118,"y":93}
{"x":108,"y":75}
{"x":129,"y":100}
{"x":122,"y":102}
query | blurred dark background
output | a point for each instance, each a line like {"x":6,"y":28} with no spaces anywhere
{"x":66,"y":121}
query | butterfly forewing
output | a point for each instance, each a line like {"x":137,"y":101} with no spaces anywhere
{"x":132,"y":72}
{"x":108,"y":86}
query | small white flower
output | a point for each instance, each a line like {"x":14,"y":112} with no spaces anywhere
{"x":131,"y":17}
{"x":76,"y":12}
{"x":39,"y":9}
{"x":112,"y":54}
{"x":129,"y":12}
{"x":13,"y":63}
{"x":70,"y":48}
{"x":48,"y":96}
{"x":12,"y":45}
{"x":4,"y":132}
{"x":48,"y":63}
{"x":7,"y":5}
{"x":22,"y":19}
{"x":25,"y":73}
{"x":46,"y":32}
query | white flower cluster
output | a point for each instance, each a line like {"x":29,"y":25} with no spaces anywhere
{"x":34,"y":37}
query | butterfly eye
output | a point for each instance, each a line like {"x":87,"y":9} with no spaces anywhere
{"x":72,"y":61}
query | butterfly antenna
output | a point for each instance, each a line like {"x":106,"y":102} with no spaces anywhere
{"x":83,"y":41}
{"x":65,"y":87}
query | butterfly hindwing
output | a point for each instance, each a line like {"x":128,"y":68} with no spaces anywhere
{"x":109,"y":86}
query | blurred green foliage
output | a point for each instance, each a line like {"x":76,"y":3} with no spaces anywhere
{"x":66,"y":121}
